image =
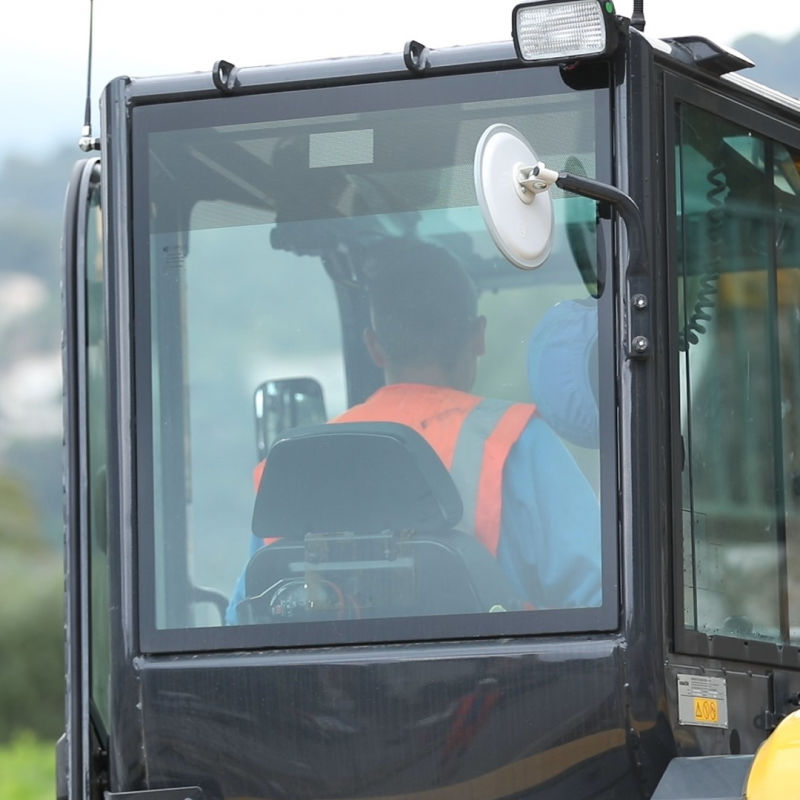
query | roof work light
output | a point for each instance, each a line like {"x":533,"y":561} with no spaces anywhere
{"x":564,"y":30}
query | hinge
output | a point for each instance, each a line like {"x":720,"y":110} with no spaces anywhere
{"x":767,"y":721}
{"x":99,"y":771}
{"x":639,"y":342}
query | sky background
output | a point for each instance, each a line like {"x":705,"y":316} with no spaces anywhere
{"x":44,"y":42}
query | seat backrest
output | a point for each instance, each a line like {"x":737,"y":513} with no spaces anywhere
{"x":361,"y":477}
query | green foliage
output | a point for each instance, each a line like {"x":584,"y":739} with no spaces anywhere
{"x":31,"y":581}
{"x":31,"y":209}
{"x":31,"y":622}
{"x":17,"y":518}
{"x":38,"y":465}
{"x":27,"y":769}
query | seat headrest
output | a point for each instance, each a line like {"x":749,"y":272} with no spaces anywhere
{"x":362,"y":477}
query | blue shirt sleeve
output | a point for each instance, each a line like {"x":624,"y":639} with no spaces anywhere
{"x":550,"y":530}
{"x":231,"y":617}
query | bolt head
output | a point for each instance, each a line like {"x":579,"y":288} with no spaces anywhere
{"x":640,"y":344}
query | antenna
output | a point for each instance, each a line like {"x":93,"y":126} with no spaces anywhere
{"x":637,"y":18}
{"x":87,"y":142}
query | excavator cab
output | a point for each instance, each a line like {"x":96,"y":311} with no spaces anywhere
{"x":319,"y":615}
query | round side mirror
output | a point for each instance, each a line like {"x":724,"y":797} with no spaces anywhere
{"x":517,"y":210}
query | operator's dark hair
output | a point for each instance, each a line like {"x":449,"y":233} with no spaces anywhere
{"x":423,"y":304}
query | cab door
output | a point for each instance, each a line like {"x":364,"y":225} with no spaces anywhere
{"x":736,"y":260}
{"x":81,"y":750}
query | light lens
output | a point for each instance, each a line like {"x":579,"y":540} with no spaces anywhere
{"x":554,"y":31}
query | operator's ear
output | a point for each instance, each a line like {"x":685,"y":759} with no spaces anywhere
{"x":374,"y":347}
{"x":479,"y":336}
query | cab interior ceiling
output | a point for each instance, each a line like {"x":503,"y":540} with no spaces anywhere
{"x":270,"y":171}
{"x":449,"y":143}
{"x":262,"y":175}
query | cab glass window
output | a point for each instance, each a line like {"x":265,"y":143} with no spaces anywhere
{"x":97,"y":456}
{"x":357,"y":421}
{"x":738,"y":203}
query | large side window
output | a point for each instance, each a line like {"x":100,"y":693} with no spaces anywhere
{"x":738,"y":211}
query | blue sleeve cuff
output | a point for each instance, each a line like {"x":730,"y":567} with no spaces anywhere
{"x":231,"y":617}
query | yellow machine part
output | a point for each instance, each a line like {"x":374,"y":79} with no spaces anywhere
{"x":775,"y":773}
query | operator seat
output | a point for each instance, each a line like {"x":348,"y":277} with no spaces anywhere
{"x":364,"y":515}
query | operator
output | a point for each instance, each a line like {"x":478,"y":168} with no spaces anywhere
{"x":524,"y":497}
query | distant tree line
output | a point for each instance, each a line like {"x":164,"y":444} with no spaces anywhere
{"x":31,"y":620}
{"x":31,"y":528}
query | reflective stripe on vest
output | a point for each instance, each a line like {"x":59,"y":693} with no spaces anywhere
{"x":486,"y":437}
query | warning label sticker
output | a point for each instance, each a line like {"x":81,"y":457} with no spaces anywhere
{"x":702,"y":700}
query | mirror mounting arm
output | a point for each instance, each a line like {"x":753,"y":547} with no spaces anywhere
{"x":638,"y":333}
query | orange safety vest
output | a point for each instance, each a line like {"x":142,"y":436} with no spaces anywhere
{"x":471,"y":435}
